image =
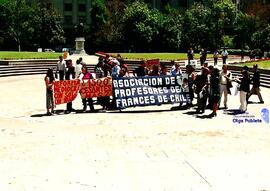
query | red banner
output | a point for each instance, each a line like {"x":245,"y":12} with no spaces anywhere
{"x":66,"y":91}
{"x":96,"y":88}
{"x":151,"y":63}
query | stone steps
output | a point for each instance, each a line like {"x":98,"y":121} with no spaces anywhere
{"x":41,"y":68}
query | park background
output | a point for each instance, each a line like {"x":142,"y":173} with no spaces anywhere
{"x":136,"y":26}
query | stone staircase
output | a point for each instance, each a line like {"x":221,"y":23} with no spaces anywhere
{"x":33,"y":67}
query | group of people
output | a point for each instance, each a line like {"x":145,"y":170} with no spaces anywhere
{"x":208,"y":86}
{"x":203,"y":56}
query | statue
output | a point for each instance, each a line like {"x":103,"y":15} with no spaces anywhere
{"x":79,"y":30}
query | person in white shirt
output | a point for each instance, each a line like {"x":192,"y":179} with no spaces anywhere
{"x":78,"y":69}
{"x":116,"y":68}
{"x":61,"y":68}
{"x":224,"y":54}
{"x":225,"y":78}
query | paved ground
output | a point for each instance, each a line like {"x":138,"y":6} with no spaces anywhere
{"x":154,"y":150}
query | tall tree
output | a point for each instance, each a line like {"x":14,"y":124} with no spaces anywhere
{"x":16,"y":19}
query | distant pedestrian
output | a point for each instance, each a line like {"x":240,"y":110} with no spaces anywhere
{"x":190,"y":55}
{"x":224,"y":54}
{"x":242,"y":54}
{"x":215,"y":56}
{"x":61,"y":68}
{"x":49,"y":80}
{"x":256,"y":84}
{"x":203,"y":56}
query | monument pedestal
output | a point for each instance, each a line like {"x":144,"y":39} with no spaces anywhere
{"x":79,"y":42}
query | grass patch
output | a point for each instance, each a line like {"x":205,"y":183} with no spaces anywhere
{"x":161,"y":56}
{"x":261,"y":64}
{"x":8,"y":55}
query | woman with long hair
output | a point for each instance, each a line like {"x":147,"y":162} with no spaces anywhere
{"x":85,"y":75}
{"x":49,"y":80}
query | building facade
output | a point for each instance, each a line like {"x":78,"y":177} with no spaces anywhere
{"x":74,"y":12}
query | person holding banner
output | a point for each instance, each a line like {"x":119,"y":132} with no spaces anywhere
{"x":164,"y":71}
{"x":101,"y":72}
{"x":123,"y":66}
{"x":85,"y":75}
{"x":141,"y":70}
{"x":154,"y":71}
{"x":177,"y":70}
{"x":70,"y":74}
{"x":116,"y":68}
{"x":49,"y":80}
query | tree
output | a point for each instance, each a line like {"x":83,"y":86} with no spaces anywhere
{"x":261,"y":39}
{"x":140,"y":25}
{"x":30,"y":24}
{"x":16,"y":19}
{"x":206,"y":23}
{"x":48,"y":27}
{"x":169,"y":32}
{"x":246,"y":25}
{"x":109,"y":36}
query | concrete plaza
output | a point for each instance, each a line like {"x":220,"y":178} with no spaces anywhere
{"x":140,"y":149}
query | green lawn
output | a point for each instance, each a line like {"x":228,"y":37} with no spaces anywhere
{"x":161,"y":56}
{"x":32,"y":55}
{"x":261,"y":64}
{"x":8,"y":55}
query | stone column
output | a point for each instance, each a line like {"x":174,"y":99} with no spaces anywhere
{"x":79,"y":42}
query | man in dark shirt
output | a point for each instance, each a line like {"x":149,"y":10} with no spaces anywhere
{"x":141,"y":70}
{"x":256,"y":84}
